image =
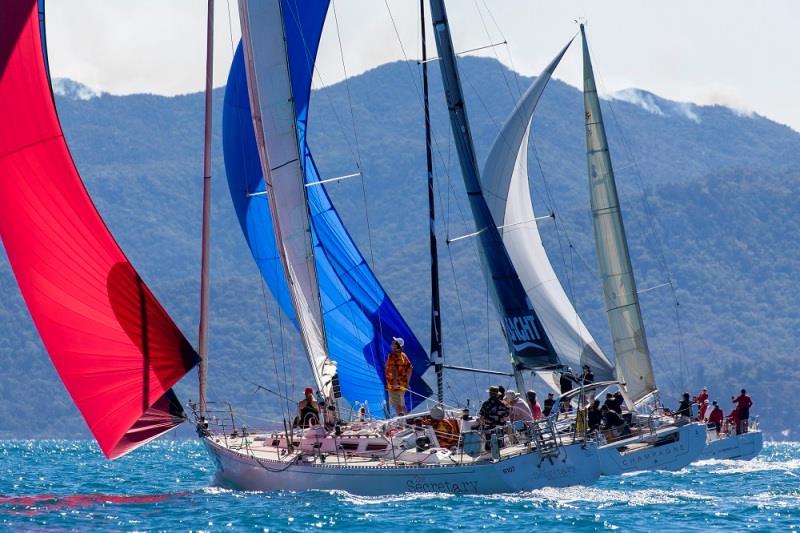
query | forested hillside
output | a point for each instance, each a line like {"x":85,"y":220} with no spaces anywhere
{"x":709,"y":198}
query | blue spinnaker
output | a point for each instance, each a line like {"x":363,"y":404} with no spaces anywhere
{"x":359,"y":318}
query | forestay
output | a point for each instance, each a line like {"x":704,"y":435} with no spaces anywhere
{"x":634,"y":367}
{"x":358,"y":317}
{"x":505,"y":185}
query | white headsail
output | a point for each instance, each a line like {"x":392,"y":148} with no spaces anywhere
{"x":619,"y":288}
{"x":272,"y":109}
{"x":505,"y":183}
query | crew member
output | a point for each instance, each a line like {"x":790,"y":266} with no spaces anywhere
{"x":587,"y":378}
{"x":743,"y":404}
{"x":533,"y":403}
{"x":493,"y":411}
{"x":685,"y":406}
{"x":519,"y":410}
{"x":594,"y":416}
{"x":715,"y":417}
{"x":611,"y":420}
{"x":398,"y":376}
{"x":548,"y":404}
{"x":308,"y":410}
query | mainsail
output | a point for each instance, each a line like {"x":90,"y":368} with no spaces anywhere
{"x":527,"y":339}
{"x":358,"y":317}
{"x":505,"y":186}
{"x":634,"y":367}
{"x":115,"y":348}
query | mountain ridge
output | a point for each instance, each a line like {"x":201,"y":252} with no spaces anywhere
{"x":140,"y":156}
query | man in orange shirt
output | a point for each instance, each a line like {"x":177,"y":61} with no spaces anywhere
{"x":398,"y":375}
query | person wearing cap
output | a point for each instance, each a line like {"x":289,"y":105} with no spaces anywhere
{"x":587,"y":378}
{"x":398,"y":376}
{"x":548,"y":404}
{"x":518,"y":409}
{"x":308,"y":410}
{"x":493,"y":411}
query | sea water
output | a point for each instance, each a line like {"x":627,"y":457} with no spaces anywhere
{"x":167,"y":486}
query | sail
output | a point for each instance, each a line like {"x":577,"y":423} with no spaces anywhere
{"x":527,"y":339}
{"x":274,"y":122}
{"x":115,"y":348}
{"x":633,"y":363}
{"x":505,"y":185}
{"x":358,"y":317}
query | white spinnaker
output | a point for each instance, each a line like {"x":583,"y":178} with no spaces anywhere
{"x":272,"y":110}
{"x":505,"y":182}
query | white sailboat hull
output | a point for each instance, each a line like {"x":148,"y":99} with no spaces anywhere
{"x":744,"y":447}
{"x":576,"y":464}
{"x":671,"y":448}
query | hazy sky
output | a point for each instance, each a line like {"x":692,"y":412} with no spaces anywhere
{"x":740,"y":53}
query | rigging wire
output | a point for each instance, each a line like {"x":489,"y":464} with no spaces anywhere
{"x":444,"y":163}
{"x":359,"y":164}
{"x":500,"y":65}
{"x":507,"y":46}
{"x":230,"y":28}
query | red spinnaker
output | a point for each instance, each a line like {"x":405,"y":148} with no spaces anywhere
{"x":115,"y":348}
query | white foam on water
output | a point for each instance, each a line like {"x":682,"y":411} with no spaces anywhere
{"x":727,"y":466}
{"x":577,"y":497}
{"x":346,"y":497}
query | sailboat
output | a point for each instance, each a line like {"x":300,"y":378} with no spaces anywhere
{"x":655,"y":441}
{"x":280,"y":189}
{"x":619,"y":290}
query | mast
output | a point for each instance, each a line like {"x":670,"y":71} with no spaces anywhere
{"x":529,"y":345}
{"x":202,"y":372}
{"x":436,"y":321}
{"x":633,"y":364}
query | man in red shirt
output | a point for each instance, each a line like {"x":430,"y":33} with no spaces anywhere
{"x":743,"y":404}
{"x":700,"y":400}
{"x":715,"y":417}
